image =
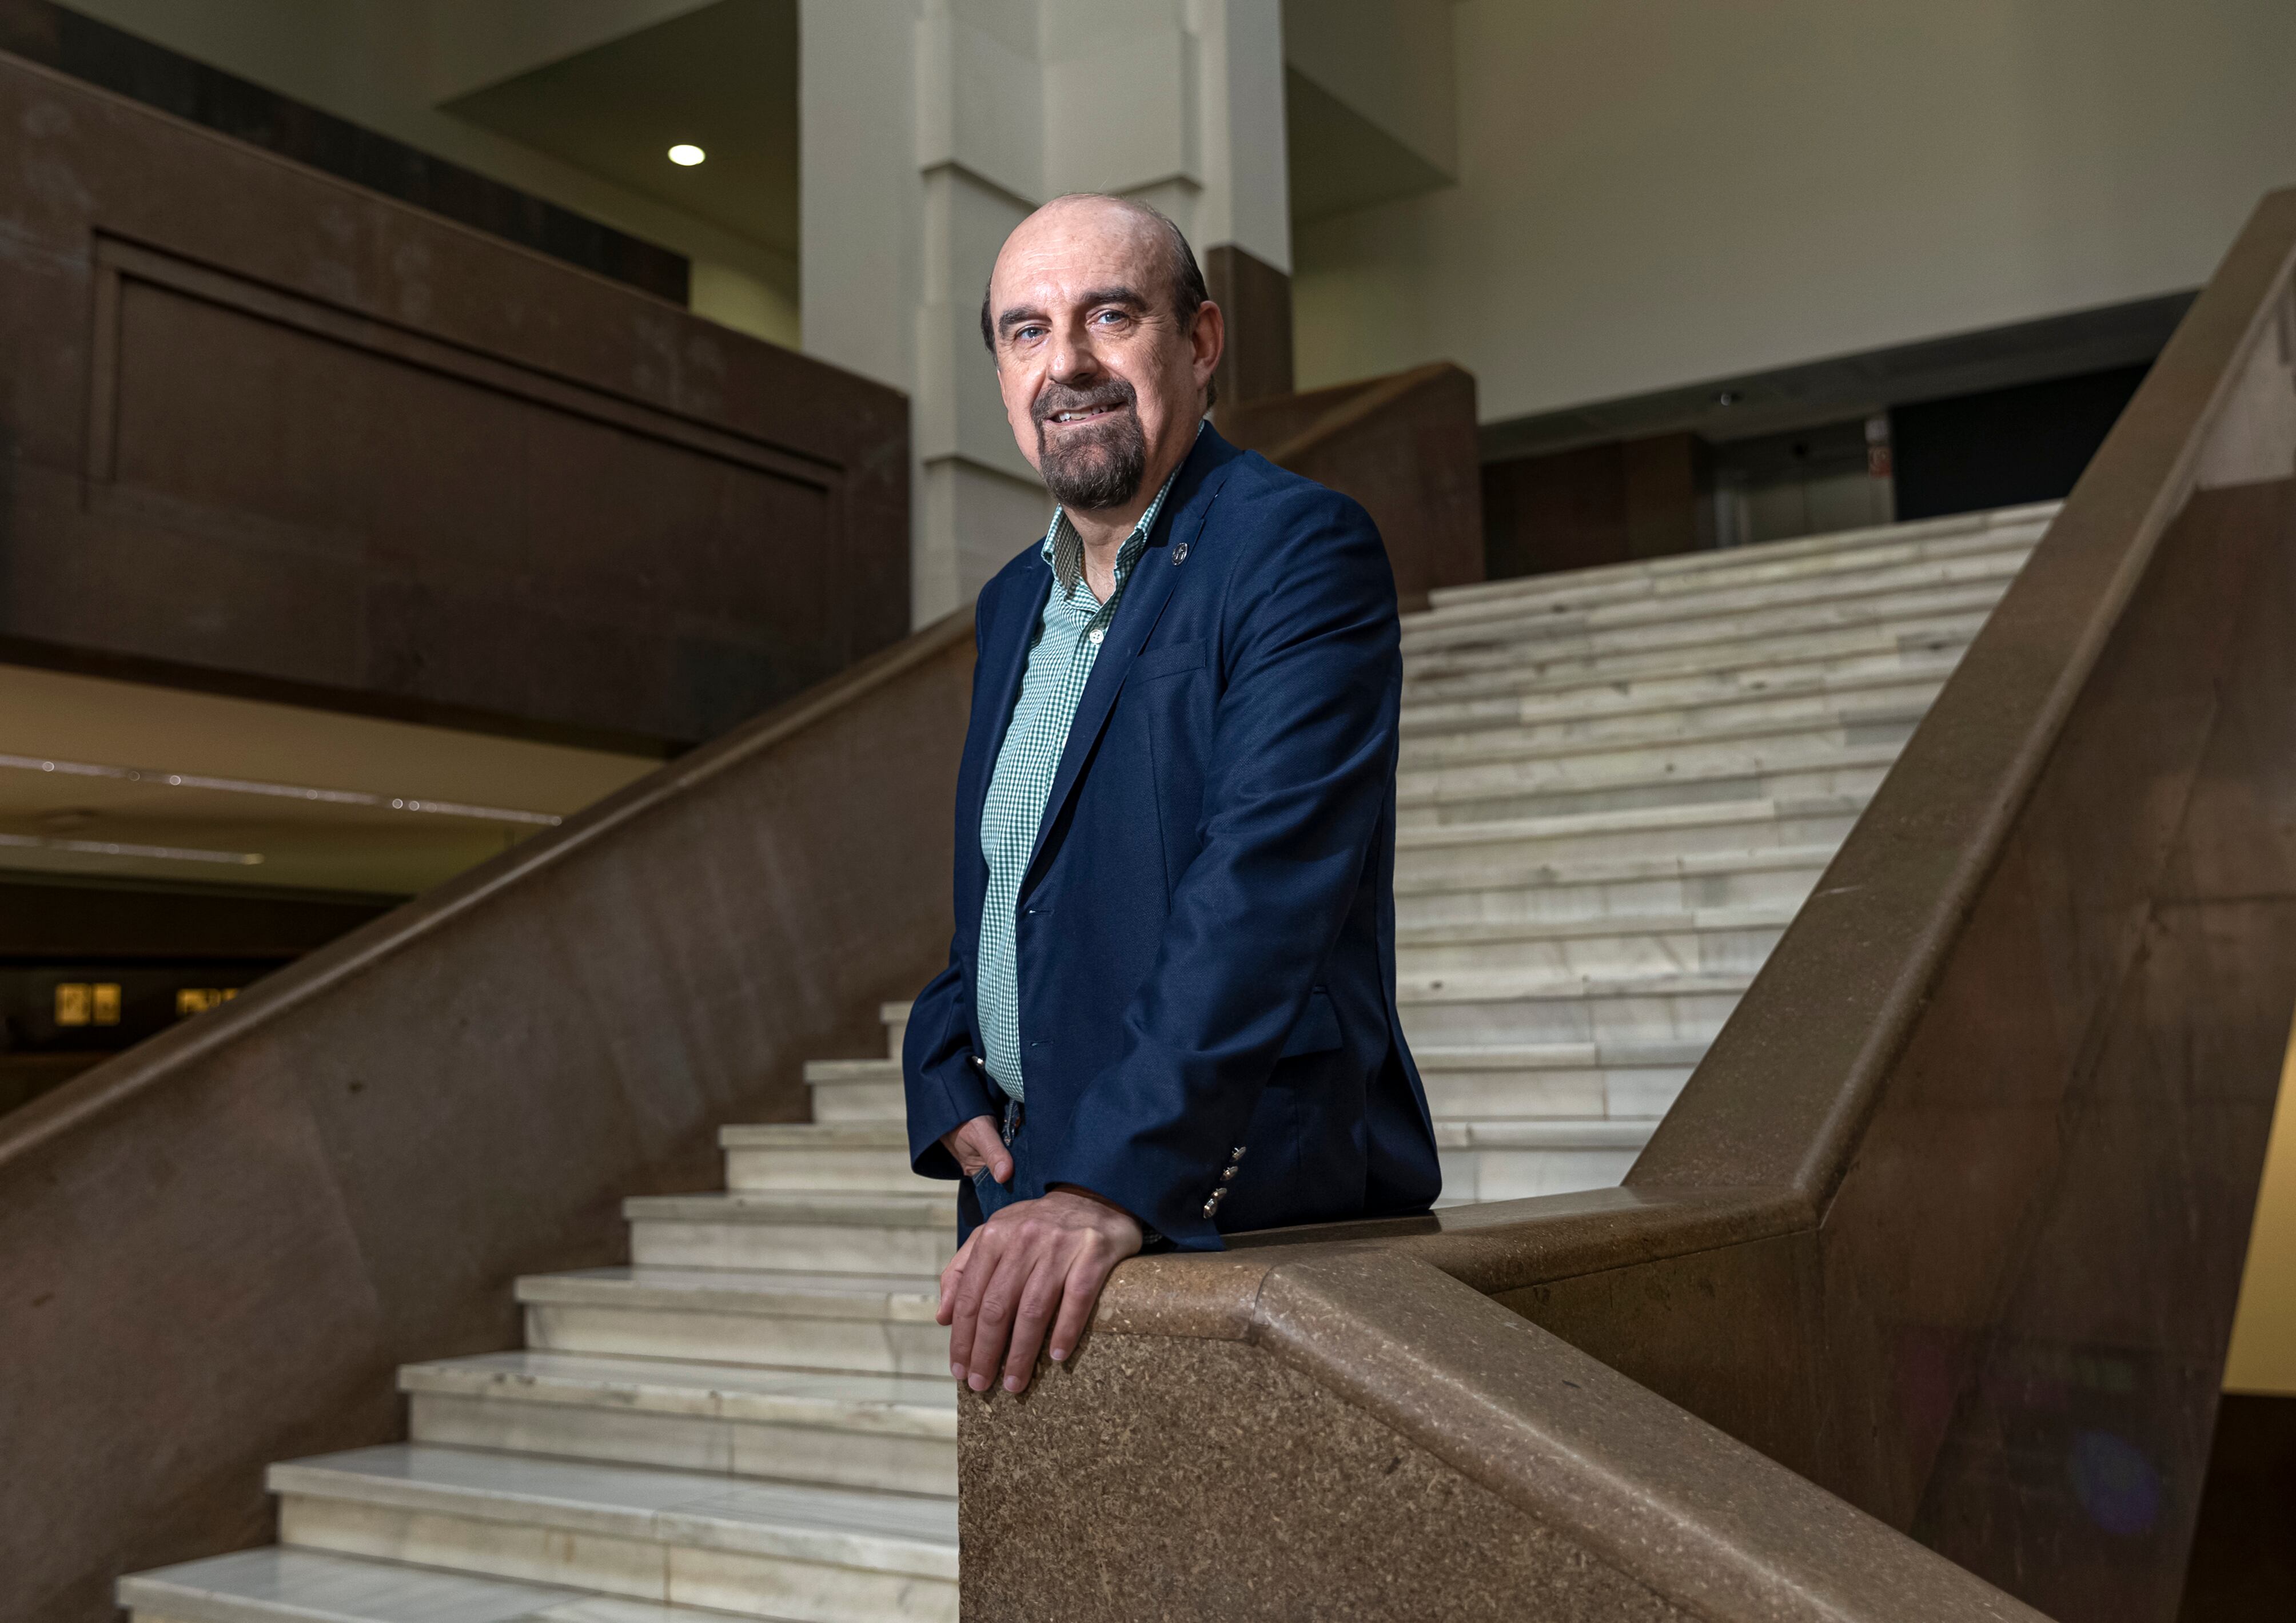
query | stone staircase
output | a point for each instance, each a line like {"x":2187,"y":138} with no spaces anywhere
{"x":1617,"y":787}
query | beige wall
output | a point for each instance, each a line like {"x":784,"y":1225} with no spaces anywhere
{"x":2263,"y":1356}
{"x":1656,"y":191}
{"x":386,"y":64}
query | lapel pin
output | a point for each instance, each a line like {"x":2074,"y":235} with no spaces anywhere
{"x":1179,"y":555}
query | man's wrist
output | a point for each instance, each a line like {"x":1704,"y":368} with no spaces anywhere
{"x":1148,"y":1236}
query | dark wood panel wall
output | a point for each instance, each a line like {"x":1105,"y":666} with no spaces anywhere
{"x":1256,"y":298}
{"x":266,"y":428}
{"x":1600,"y":504}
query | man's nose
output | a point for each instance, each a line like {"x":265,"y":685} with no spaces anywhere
{"x":1073,"y":361}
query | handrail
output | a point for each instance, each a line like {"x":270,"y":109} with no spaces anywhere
{"x":1873,"y":1196}
{"x":1365,"y":402}
{"x":1969,"y":769}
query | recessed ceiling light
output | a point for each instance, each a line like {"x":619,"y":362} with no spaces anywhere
{"x":685,"y":154}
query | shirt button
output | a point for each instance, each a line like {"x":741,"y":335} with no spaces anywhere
{"x":1096,"y":635}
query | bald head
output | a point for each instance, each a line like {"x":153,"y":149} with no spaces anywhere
{"x":1152,"y":227}
{"x":1105,"y":345}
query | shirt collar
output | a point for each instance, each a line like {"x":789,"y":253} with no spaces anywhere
{"x":1063,"y":547}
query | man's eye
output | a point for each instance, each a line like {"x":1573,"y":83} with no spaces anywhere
{"x":1026,"y":334}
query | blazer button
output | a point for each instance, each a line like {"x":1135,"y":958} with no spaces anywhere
{"x":1238,"y":1156}
{"x":1226,"y":1175}
{"x":1209,"y":1205}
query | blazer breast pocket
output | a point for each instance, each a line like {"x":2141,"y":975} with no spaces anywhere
{"x":1174,"y":659}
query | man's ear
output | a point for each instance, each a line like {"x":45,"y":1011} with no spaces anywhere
{"x":1207,"y":341}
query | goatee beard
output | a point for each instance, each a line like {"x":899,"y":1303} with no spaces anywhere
{"x":1098,"y":467}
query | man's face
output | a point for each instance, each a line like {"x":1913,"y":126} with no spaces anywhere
{"x":1100,"y":384}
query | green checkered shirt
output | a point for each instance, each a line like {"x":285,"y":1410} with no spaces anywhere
{"x":1066,"y":642}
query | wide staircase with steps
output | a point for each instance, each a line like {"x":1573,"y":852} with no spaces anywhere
{"x":1617,"y":786}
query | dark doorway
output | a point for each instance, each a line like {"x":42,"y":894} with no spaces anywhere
{"x":2244,"y":1564}
{"x":2005,"y":447}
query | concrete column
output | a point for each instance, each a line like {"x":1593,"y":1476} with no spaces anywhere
{"x":931,"y":127}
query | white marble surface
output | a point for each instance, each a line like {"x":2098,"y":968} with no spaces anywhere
{"x":1533,"y":622}
{"x":278,"y":1585}
{"x":765,"y":1291}
{"x":1498,"y":891}
{"x":1689,"y":572}
{"x":908,"y":1406}
{"x":1579,"y":686}
{"x":885,"y":1532}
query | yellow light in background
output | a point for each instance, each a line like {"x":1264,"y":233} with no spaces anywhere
{"x":199,"y":1000}
{"x":85,"y":1003}
{"x":685,"y":154}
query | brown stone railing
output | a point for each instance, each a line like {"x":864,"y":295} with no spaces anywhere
{"x":216,"y":1247}
{"x":1402,"y":445}
{"x":1916,"y":1304}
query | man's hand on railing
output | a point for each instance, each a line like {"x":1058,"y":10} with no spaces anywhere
{"x":1035,"y":1263}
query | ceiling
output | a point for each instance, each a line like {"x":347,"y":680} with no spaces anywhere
{"x":724,"y":78}
{"x":121,"y":779}
{"x":1339,"y":160}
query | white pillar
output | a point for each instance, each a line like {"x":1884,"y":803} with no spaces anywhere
{"x":931,"y":127}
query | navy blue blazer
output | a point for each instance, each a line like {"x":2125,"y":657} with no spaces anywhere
{"x":1206,"y":939}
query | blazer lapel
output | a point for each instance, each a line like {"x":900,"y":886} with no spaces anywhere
{"x":1145,"y":593}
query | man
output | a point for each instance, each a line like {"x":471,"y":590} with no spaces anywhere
{"x":1169,"y":1005}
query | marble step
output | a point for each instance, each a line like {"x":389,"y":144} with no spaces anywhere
{"x":277,"y":1585}
{"x":896,"y":1017}
{"x":1793,"y":770}
{"x":1718,"y":940}
{"x":854,"y":1158}
{"x":1470,"y":849}
{"x":1626,"y":624}
{"x":856,"y":1323}
{"x":857,"y":1092}
{"x":1502,"y":891}
{"x":754,"y":1549}
{"x":1725,"y":662}
{"x":1786,"y":632}
{"x":1966,"y":556}
{"x":1781,"y":627}
{"x":1511,"y":725}
{"x":1511,"y":1160}
{"x":1514,"y":755}
{"x":818,"y":1231}
{"x":894,"y":1432}
{"x":1537,"y":691}
{"x":1494,"y":1082}
{"x":1527,"y":1010}
{"x":1684,"y":572}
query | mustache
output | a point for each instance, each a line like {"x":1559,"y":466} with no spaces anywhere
{"x":1056,"y":398}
